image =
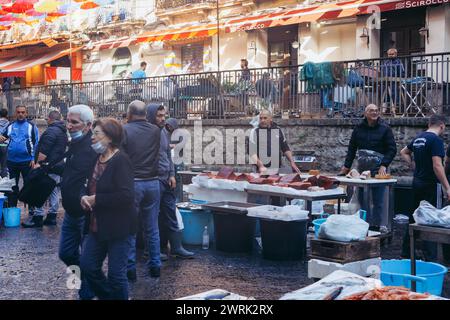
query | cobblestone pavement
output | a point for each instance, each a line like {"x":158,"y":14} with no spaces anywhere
{"x":30,"y":269}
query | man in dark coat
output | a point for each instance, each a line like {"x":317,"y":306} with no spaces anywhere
{"x":51,"y":148}
{"x":79,"y":163}
{"x":374,"y":141}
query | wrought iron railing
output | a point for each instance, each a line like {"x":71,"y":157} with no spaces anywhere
{"x":411,"y":86}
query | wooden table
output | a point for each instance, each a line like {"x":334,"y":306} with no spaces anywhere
{"x":434,"y":234}
{"x":372,"y":183}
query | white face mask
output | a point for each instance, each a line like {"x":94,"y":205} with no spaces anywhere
{"x":99,"y":147}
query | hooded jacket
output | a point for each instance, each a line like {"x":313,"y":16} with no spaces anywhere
{"x":53,"y":142}
{"x":378,"y":138}
{"x":165,"y":168}
{"x":143,"y":152}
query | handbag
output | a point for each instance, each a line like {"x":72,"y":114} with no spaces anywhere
{"x":38,"y":185}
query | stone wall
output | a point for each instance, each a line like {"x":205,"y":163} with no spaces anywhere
{"x":328,"y":138}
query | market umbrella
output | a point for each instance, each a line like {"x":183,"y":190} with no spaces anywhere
{"x":19,"y":6}
{"x":11,"y":18}
{"x":3,"y":28}
{"x":34,"y":13}
{"x":2,"y":12}
{"x":89,"y":5}
{"x":47,"y":6}
{"x":55,"y":14}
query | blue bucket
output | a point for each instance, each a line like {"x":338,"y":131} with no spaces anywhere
{"x":194,"y":224}
{"x":429,"y":275}
{"x":317,"y":224}
{"x":194,"y":201}
{"x":11,"y":217}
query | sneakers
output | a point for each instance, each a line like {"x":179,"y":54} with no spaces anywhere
{"x":50,"y":220}
{"x":155,"y":272}
{"x":33,"y":222}
{"x":131,"y":275}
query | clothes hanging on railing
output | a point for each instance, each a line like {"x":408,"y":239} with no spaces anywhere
{"x":317,"y":76}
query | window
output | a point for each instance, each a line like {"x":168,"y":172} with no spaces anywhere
{"x":121,"y":63}
{"x":192,"y":58}
{"x":400,"y":30}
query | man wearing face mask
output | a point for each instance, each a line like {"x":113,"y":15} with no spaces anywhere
{"x":156,"y":114}
{"x":425,"y":155}
{"x":79,"y":163}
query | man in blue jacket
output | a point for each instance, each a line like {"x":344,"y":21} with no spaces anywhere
{"x":51,"y":148}
{"x":156,"y":114}
{"x":23,"y":138}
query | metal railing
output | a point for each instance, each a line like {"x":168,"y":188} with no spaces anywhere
{"x":411,"y":86}
{"x":171,"y":4}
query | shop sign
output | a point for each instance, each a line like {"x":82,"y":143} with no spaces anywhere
{"x":419,"y":3}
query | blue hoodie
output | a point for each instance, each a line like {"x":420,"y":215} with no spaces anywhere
{"x":165,"y":168}
{"x":23,"y":139}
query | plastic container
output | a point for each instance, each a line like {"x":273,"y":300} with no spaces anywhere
{"x":194,"y":223}
{"x":317,"y":224}
{"x":284,"y":240}
{"x":429,"y":275}
{"x":2,"y":201}
{"x":11,"y":217}
{"x":233,"y":232}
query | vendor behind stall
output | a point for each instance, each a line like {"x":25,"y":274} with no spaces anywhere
{"x":263,"y":147}
{"x":375,"y":144}
{"x":425,"y":155}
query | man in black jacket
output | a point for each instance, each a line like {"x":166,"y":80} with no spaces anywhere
{"x":141,"y":143}
{"x":374,"y":141}
{"x":79,"y":164}
{"x":51,"y":148}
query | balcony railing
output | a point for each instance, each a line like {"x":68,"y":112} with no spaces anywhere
{"x":171,"y":4}
{"x":412,"y":86}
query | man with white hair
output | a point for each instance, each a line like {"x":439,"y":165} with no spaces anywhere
{"x":78,"y":165}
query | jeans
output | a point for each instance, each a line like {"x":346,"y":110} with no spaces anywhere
{"x":15,"y":170}
{"x":69,"y":248}
{"x":377,"y":204}
{"x":147,"y":199}
{"x":53,"y":200}
{"x":168,"y":222}
{"x":115,"y":286}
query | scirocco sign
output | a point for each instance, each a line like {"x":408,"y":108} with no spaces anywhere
{"x":419,"y":3}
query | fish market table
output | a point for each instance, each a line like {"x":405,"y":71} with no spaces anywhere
{"x":308,"y":196}
{"x":435,"y":234}
{"x":368,"y":184}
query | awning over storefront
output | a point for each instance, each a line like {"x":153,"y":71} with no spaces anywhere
{"x":20,"y":64}
{"x":48,"y":42}
{"x":322,"y":12}
{"x":186,"y":33}
{"x":111,"y":44}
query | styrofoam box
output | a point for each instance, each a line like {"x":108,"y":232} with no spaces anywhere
{"x":365,"y":268}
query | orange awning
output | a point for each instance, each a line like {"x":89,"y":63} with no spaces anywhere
{"x":190,"y":32}
{"x":48,"y":42}
{"x":22,"y":63}
{"x":320,"y":12}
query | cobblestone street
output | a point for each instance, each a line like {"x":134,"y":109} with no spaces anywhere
{"x":30,"y":269}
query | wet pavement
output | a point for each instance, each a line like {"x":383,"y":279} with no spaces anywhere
{"x":30,"y":269}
